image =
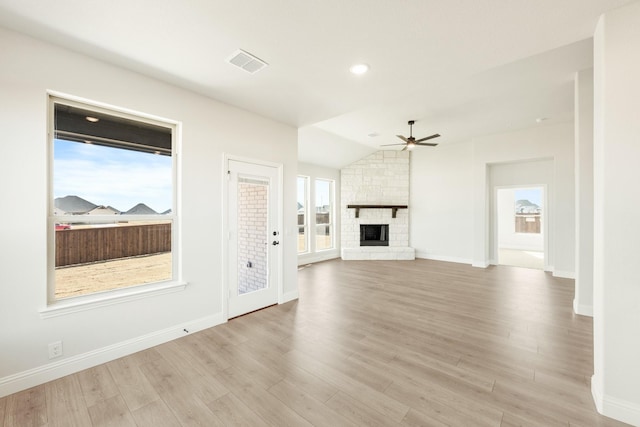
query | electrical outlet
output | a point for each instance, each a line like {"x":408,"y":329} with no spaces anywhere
{"x":55,"y":349}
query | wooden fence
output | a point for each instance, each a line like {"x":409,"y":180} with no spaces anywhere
{"x":321,"y":218}
{"x":528,"y":223}
{"x":86,"y":245}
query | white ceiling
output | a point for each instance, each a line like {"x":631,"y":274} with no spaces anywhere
{"x":460,"y":68}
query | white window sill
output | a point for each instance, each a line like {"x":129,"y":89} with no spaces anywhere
{"x":102,"y":299}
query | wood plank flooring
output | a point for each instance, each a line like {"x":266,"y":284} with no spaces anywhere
{"x":376,"y":343}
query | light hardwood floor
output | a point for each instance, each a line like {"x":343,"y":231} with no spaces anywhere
{"x":377,"y":343}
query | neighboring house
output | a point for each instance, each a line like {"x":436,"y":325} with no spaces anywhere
{"x":526,"y":207}
{"x":103,"y":210}
{"x":74,"y":205}
{"x":141,"y":209}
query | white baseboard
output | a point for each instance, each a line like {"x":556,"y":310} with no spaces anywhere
{"x":564,"y":274}
{"x":612,"y":407}
{"x":317,"y":257}
{"x":582,"y":309}
{"x":42,"y":374}
{"x":289,"y":296}
{"x":426,"y":255}
{"x":523,"y":248}
{"x":483,"y":264}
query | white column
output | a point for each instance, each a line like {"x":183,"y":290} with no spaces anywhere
{"x":616,"y":302}
{"x":583,"y":299}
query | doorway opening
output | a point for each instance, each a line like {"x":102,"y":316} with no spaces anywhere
{"x":520,"y":220}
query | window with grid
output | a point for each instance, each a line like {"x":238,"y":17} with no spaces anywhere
{"x":324,"y":214}
{"x":303,"y":217}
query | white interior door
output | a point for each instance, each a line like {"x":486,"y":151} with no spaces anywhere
{"x":254,"y":238}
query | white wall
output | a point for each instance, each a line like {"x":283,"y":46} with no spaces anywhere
{"x":321,"y":172}
{"x":451,"y":195}
{"x":583,"y":300}
{"x":616,"y":301}
{"x":317,"y":146}
{"x":506,"y":224}
{"x":441,"y":202}
{"x":29,"y":69}
{"x":539,"y":142}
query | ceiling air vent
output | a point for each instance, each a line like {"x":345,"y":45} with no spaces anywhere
{"x":246,"y":61}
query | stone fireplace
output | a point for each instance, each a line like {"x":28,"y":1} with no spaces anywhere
{"x":375,"y":193}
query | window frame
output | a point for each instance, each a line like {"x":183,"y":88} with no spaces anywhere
{"x":330,"y":224}
{"x":65,"y":305}
{"x":305,"y":225}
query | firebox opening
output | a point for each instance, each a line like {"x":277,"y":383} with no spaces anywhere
{"x":374,"y":234}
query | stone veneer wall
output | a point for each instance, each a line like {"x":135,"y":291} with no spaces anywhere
{"x":380,"y":178}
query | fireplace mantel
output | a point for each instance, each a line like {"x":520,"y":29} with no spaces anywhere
{"x":394,"y":208}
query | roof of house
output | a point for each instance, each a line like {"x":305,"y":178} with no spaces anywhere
{"x":74,"y":205}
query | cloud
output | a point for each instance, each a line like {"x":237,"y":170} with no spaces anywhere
{"x":111,"y":176}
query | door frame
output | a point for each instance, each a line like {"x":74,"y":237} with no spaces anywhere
{"x":545,"y":221}
{"x":225,"y":227}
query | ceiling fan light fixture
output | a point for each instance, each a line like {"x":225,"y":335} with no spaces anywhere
{"x":359,"y":69}
{"x":410,"y":146}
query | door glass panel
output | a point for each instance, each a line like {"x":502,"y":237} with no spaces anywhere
{"x":253,"y":216}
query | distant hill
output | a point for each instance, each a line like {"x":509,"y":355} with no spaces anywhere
{"x":140,"y":209}
{"x":73,"y":205}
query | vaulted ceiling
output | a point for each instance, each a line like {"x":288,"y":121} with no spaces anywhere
{"x":460,"y":68}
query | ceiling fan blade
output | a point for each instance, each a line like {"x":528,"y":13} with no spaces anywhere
{"x":387,"y":145}
{"x":428,"y":137}
{"x":429,"y":144}
{"x":402,"y":138}
{"x":405,"y":148}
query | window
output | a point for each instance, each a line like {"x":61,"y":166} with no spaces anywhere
{"x":528,"y":210}
{"x":112,"y":210}
{"x":303,"y":226}
{"x":324,"y":214}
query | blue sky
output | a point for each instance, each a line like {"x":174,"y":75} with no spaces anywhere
{"x":322,"y":190}
{"x":111,"y":176}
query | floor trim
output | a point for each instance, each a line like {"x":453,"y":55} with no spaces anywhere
{"x":612,"y":407}
{"x":51,"y":371}
{"x":582,"y":309}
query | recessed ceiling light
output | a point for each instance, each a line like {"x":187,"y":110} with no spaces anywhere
{"x":373,"y":134}
{"x":359,"y":69}
{"x":92,"y":119}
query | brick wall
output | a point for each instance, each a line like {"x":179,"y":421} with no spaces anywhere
{"x":252,"y":236}
{"x":380,"y":178}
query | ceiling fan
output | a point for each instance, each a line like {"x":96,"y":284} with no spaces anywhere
{"x":411,"y":142}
